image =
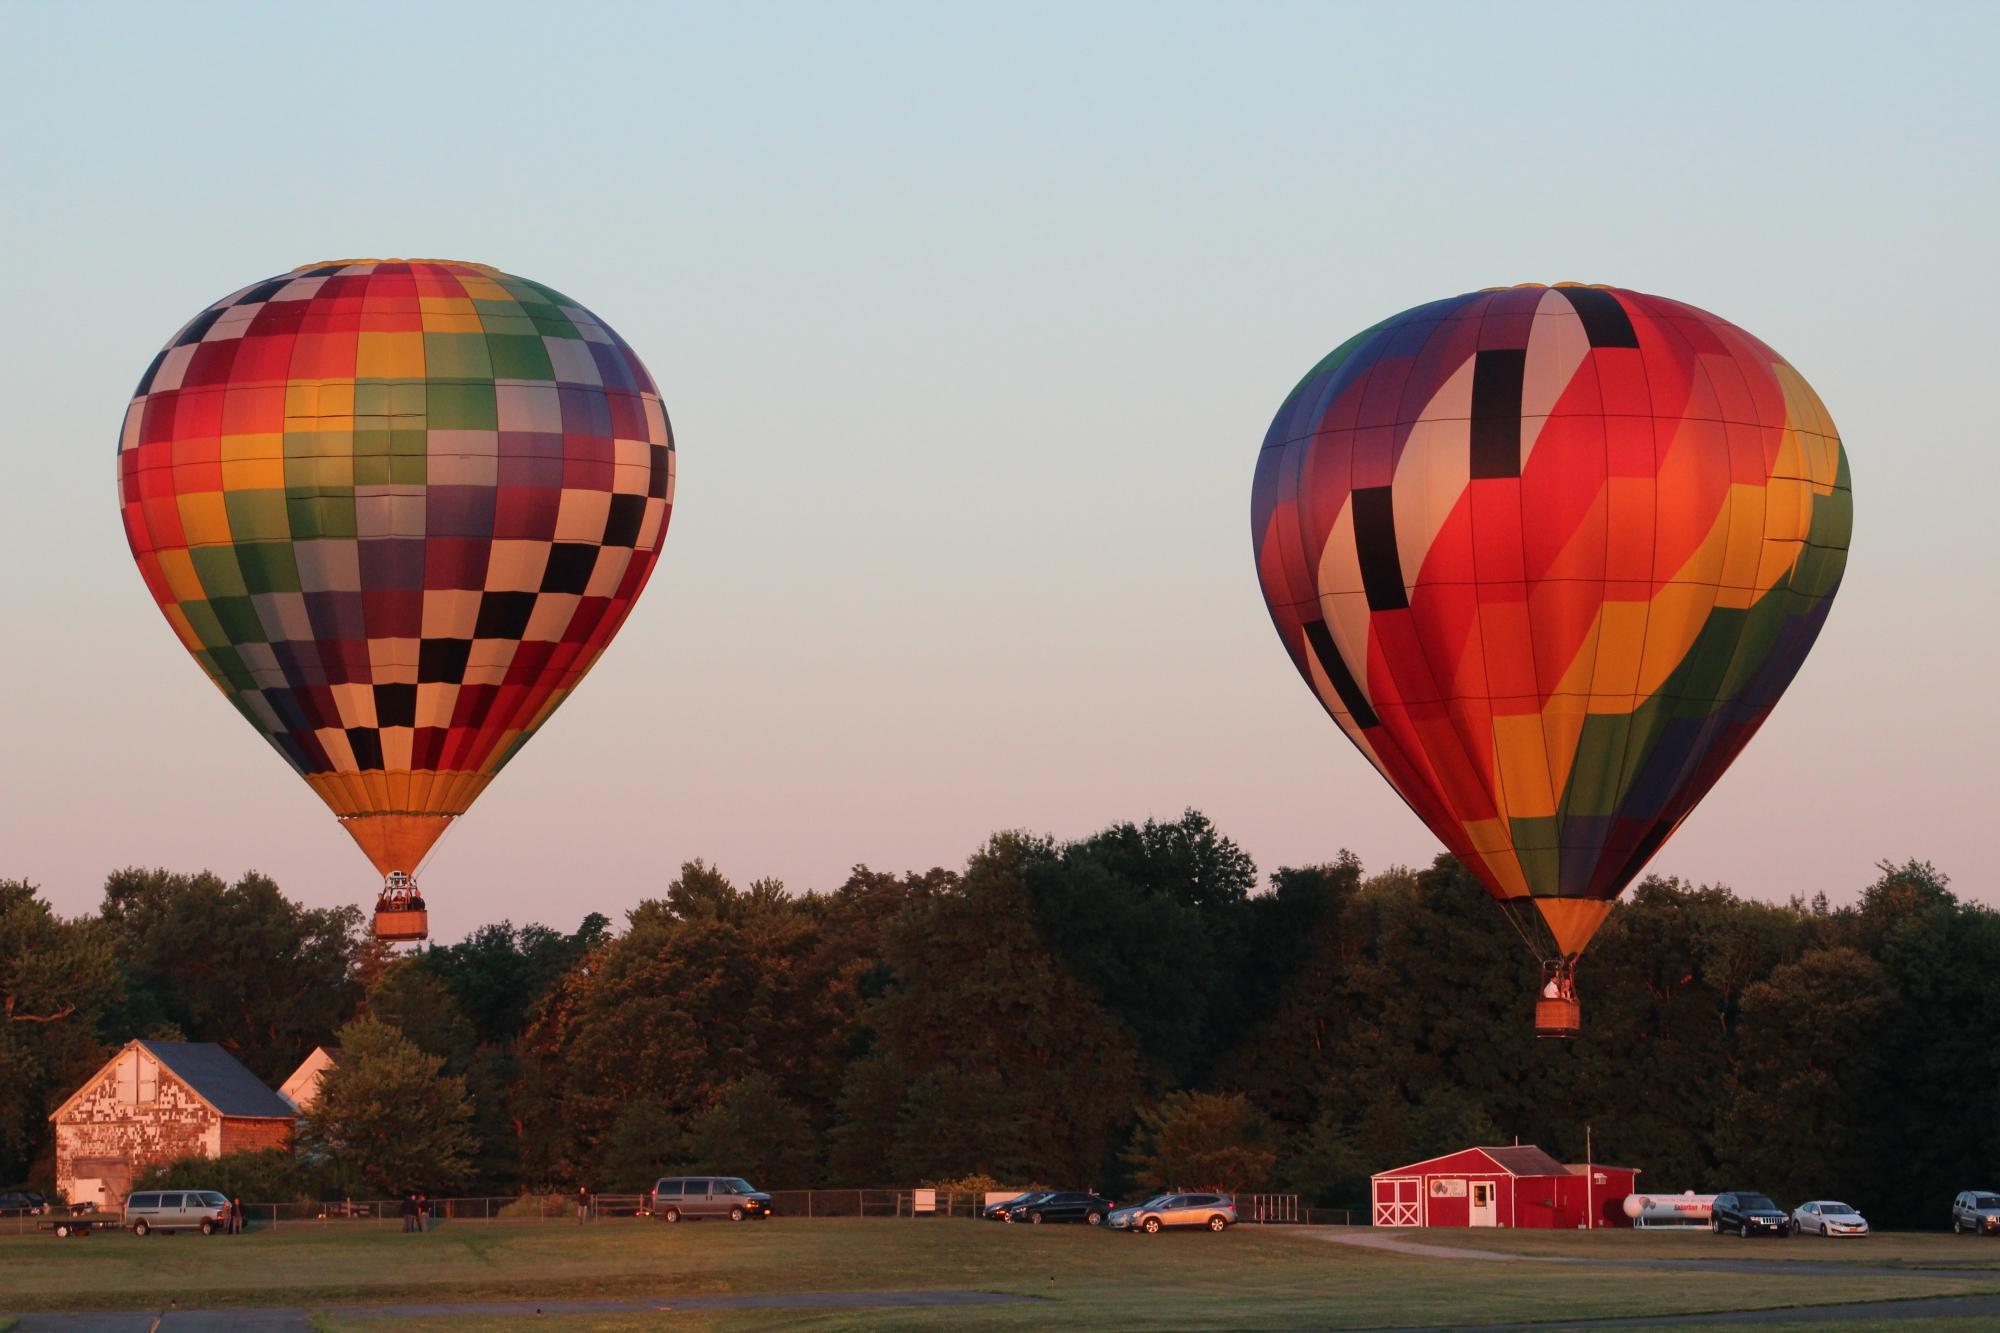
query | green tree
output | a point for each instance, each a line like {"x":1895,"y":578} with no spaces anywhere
{"x":59,"y":979}
{"x":1007,"y":1063}
{"x":239,"y":964}
{"x":1204,"y":1140}
{"x":754,"y":1130}
{"x":1155,"y":920}
{"x":1808,"y":1064}
{"x":409,"y":997}
{"x":645,"y":1141}
{"x":501,"y":975}
{"x":388,"y":1113}
{"x":707,"y":986}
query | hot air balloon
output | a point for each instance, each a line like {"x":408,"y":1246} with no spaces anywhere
{"x":1549,"y":555}
{"x":396,"y":509}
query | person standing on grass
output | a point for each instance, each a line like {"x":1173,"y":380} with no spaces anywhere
{"x":582,"y":1205}
{"x":409,"y":1211}
{"x":423,"y":1211}
{"x":236,"y":1216}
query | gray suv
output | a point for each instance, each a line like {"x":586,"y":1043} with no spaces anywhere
{"x":177,"y":1210}
{"x":1976,"y":1211}
{"x":733,"y":1197}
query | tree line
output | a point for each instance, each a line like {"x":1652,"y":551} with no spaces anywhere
{"x":1131,"y":1009}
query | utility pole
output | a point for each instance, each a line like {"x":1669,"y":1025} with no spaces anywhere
{"x":1589,"y":1181}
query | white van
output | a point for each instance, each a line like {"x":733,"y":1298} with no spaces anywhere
{"x":177,"y":1210}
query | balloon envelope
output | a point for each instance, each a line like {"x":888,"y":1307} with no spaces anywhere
{"x":1549,"y":555}
{"x":396,"y":509}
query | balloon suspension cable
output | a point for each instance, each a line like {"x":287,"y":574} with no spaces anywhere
{"x":1557,"y":1013}
{"x":401,"y":915}
{"x":399,"y":894}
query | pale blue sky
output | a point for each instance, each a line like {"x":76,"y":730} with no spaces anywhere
{"x":971,"y":320}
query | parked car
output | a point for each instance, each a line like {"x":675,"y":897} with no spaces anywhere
{"x":1976,"y":1212}
{"x":1002,"y":1210}
{"x":1064,"y":1206}
{"x":1828,"y":1218}
{"x":1214,"y":1211}
{"x":1748,"y":1215}
{"x":205,"y":1211}
{"x":676,"y":1197}
{"x":22,"y":1203}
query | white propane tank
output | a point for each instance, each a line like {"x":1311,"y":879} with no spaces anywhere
{"x":1669,"y":1210}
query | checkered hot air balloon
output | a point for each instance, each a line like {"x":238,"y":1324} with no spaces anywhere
{"x":1549,"y":555}
{"x":396,"y":509}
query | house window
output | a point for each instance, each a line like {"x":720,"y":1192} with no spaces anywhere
{"x":137,"y":1079}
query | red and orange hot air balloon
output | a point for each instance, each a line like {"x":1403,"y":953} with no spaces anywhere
{"x":396,"y":509}
{"x":1549,"y":555}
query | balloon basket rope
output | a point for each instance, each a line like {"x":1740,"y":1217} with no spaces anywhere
{"x":401,"y":916}
{"x":1557,"y":1013}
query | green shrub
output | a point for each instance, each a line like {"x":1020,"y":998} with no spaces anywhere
{"x":537,"y":1205}
{"x":267,"y":1176}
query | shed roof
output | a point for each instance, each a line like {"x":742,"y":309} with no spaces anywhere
{"x":1519,"y":1160}
{"x":220,"y":1079}
{"x":1526,"y":1161}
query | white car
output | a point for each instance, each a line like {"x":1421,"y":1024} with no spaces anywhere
{"x":1825,"y":1217}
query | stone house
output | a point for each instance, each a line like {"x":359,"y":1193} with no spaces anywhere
{"x":154,"y":1102}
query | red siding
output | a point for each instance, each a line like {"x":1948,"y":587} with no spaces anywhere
{"x":1539,"y":1202}
{"x":255,"y":1135}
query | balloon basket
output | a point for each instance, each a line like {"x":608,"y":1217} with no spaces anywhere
{"x":399,"y":926}
{"x":1558,"y":1017}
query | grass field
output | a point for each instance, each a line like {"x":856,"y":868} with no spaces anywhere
{"x":1246,"y":1278}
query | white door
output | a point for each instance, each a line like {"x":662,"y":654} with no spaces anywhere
{"x":1484,"y":1193}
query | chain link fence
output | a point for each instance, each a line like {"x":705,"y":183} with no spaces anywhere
{"x":550,"y":1209}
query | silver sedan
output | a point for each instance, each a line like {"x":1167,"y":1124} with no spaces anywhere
{"x":1826,"y":1217}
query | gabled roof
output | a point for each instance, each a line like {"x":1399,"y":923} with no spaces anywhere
{"x":1519,"y":1160}
{"x":1526,"y":1161}
{"x":219,"y":1078}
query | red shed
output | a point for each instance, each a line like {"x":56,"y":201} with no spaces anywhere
{"x":1502,"y":1187}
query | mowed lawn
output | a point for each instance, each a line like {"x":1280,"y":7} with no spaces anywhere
{"x":1247,"y":1278}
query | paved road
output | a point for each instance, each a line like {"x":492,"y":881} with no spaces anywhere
{"x":1982,"y":1307}
{"x":285,"y":1320}
{"x":1395,"y":1244}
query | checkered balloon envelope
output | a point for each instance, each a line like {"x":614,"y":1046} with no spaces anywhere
{"x":396,"y":509}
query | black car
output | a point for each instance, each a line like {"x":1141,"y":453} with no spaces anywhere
{"x":1065,"y":1206}
{"x":1749,"y":1215}
{"x":18,"y":1203}
{"x":1003,"y":1210}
